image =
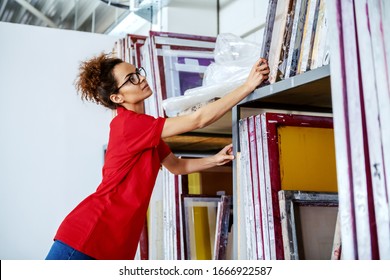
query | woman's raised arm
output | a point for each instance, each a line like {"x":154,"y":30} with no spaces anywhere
{"x":215,"y":110}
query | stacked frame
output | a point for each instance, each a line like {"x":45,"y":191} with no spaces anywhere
{"x":213,"y":229}
{"x":264,"y":172}
{"x":295,"y":37}
{"x":222,"y":228}
{"x":361,"y":109}
{"x":172,"y":218}
{"x":178,"y":62}
{"x":151,"y":104}
{"x":294,"y":239}
{"x":127,"y":48}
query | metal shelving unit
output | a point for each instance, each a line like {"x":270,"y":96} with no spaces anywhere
{"x":307,"y":92}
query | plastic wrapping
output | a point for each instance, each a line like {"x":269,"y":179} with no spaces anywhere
{"x":234,"y":58}
{"x":231,"y":50}
{"x":196,"y":98}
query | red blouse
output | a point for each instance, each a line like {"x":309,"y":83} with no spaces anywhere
{"x":108,"y":223}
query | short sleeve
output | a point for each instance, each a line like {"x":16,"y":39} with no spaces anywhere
{"x":163,"y":150}
{"x":142,"y":131}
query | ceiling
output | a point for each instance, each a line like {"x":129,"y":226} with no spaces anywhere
{"x":98,"y":16}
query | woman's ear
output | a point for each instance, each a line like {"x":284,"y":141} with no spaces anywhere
{"x":116,"y":98}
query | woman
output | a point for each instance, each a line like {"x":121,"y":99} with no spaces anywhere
{"x":108,"y":223}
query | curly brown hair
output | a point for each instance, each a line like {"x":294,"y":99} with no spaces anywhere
{"x":96,"y":81}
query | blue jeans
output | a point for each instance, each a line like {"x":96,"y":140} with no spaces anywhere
{"x":61,"y":251}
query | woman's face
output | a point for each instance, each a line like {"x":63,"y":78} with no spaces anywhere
{"x":133,"y":87}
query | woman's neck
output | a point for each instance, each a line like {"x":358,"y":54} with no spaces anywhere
{"x":137,"y":108}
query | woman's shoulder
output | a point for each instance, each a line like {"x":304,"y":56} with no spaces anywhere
{"x":127,"y":116}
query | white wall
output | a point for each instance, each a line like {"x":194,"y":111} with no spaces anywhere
{"x":51,"y":143}
{"x":245,"y":18}
{"x":190,"y":17}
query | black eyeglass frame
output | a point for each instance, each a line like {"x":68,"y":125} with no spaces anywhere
{"x":129,"y":76}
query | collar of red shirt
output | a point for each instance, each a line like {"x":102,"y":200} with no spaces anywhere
{"x":120,"y":109}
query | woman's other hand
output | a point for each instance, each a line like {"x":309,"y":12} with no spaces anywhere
{"x":225,"y":155}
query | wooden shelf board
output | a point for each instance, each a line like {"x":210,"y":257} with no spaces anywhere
{"x":198,"y":142}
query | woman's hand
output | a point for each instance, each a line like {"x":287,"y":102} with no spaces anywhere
{"x":225,"y":155}
{"x":259,"y":73}
{"x":181,"y":166}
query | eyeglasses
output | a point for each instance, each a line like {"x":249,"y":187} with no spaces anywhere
{"x":134,"y":78}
